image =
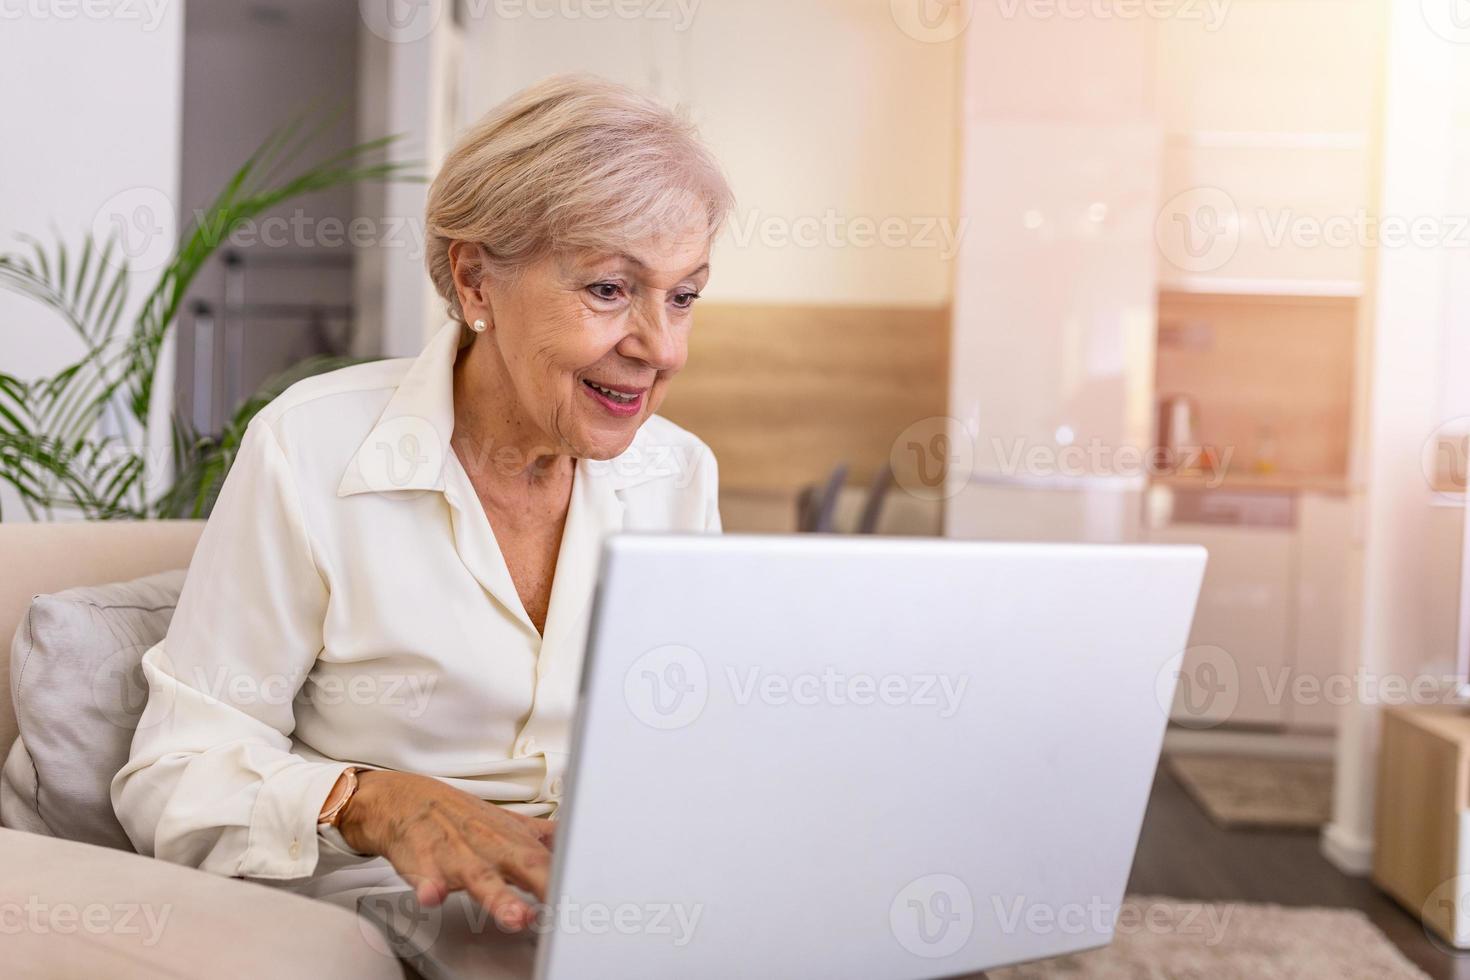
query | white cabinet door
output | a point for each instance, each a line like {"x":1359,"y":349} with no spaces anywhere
{"x":1267,"y":163}
{"x":1322,"y":606}
{"x":1053,"y":320}
{"x":1051,"y":369}
{"x":1056,"y":281}
{"x":1240,"y":657}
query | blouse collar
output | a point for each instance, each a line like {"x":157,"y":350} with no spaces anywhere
{"x":408,"y":447}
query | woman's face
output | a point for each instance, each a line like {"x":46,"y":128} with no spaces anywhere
{"x":589,"y":341}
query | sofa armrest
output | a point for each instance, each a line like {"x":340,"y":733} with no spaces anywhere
{"x":70,"y":909}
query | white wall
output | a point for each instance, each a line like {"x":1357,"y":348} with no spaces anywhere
{"x":824,"y":113}
{"x":407,"y":74}
{"x":91,"y":130}
{"x":1406,"y":541}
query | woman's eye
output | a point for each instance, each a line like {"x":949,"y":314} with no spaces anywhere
{"x":685,"y":300}
{"x":606,"y":291}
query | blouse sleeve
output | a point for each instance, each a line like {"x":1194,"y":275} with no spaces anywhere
{"x":712,"y":493}
{"x":211,"y":781}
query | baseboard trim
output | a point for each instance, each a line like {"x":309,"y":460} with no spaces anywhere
{"x":1350,"y":853}
{"x":1275,"y":745}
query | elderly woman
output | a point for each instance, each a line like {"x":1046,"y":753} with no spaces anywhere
{"x":374,"y":663}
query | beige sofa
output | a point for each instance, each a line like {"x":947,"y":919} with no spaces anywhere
{"x":69,"y":909}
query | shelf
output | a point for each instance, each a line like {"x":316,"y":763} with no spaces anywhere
{"x":1249,"y":481}
{"x":1225,"y":286}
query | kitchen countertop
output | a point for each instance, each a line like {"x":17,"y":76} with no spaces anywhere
{"x":1239,"y":480}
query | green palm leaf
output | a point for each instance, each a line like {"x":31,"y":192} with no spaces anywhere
{"x":205,"y":460}
{"x":51,"y":451}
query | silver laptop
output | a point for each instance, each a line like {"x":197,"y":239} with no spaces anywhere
{"x":858,"y":757}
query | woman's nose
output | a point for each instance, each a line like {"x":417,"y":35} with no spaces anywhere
{"x":655,"y":340}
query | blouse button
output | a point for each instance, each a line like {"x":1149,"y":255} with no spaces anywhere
{"x":527,"y":747}
{"x":556,"y":786}
{"x":295,"y":849}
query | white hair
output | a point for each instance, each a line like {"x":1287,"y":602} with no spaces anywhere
{"x":574,"y":162}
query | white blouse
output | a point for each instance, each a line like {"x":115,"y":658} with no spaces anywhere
{"x":348,"y":604}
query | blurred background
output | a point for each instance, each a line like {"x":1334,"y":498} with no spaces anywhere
{"x":1081,"y":270}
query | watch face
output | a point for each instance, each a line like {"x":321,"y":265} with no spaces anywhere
{"x":337,"y":798}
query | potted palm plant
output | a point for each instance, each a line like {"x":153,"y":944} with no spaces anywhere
{"x":78,"y":441}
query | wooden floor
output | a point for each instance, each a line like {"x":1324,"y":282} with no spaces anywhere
{"x":1182,"y":854}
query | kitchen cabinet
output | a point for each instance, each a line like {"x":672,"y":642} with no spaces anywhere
{"x":1418,"y":848}
{"x":1055,"y":285}
{"x":1241,"y":641}
{"x":1267,"y":163}
{"x":1277,"y":216}
{"x":1323,"y":608}
{"x":1267,"y":647}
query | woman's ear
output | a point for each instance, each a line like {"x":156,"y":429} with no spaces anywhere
{"x":470,"y":268}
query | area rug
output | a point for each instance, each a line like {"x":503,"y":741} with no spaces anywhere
{"x":1166,"y":939}
{"x":1253,"y":792}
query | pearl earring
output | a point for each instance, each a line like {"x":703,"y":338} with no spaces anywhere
{"x":478,"y":326}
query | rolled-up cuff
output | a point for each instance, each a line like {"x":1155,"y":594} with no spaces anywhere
{"x":331,"y":839}
{"x":553,"y":783}
{"x":283,"y":841}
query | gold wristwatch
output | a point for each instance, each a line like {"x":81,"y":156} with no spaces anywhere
{"x":331,"y":812}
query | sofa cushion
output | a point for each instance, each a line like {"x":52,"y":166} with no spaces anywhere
{"x":72,"y":910}
{"x":78,"y":690}
{"x":18,"y":792}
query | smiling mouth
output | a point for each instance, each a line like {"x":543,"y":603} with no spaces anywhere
{"x":620,"y":403}
{"x":620,"y":397}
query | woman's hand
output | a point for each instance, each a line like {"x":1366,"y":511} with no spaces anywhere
{"x":443,"y":840}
